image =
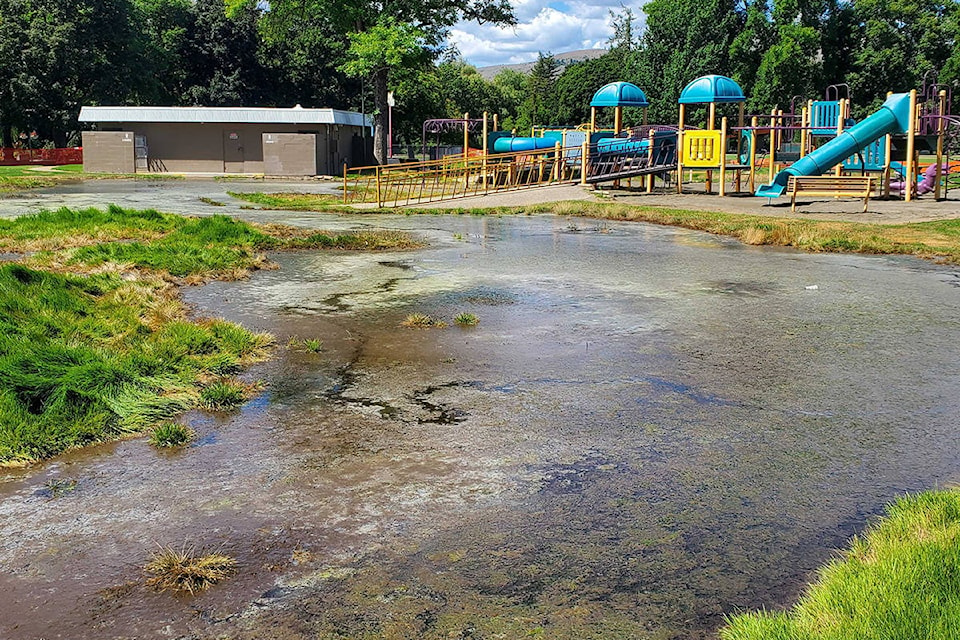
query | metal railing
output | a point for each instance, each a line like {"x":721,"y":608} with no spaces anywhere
{"x":459,"y":177}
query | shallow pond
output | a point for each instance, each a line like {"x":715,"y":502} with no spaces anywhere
{"x":649,"y":428}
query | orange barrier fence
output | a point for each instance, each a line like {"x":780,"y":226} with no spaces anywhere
{"x":13,"y":157}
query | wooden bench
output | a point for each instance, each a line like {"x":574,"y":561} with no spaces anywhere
{"x":834,"y":186}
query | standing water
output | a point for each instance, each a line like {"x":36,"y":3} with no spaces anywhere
{"x":648,"y":429}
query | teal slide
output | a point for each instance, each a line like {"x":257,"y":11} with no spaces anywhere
{"x":892,"y":118}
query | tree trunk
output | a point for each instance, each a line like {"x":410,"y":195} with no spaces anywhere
{"x":380,"y":115}
{"x":6,"y":135}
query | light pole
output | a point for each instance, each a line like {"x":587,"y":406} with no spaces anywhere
{"x":390,"y":103}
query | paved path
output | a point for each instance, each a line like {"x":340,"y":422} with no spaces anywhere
{"x":194,"y":197}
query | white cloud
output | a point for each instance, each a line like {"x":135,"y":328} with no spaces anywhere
{"x":543,"y":25}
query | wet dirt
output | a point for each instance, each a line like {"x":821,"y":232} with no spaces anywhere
{"x":649,"y":428}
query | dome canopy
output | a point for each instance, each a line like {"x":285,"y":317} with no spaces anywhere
{"x":619,"y":94}
{"x":711,"y":89}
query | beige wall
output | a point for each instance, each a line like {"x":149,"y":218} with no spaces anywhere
{"x":290,"y":154}
{"x":239,"y":148}
{"x":108,"y":152}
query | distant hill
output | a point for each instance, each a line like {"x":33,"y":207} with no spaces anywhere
{"x":524,"y":67}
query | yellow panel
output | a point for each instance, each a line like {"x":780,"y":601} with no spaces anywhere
{"x":701,"y":149}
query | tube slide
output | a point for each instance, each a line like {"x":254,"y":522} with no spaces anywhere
{"x":506,"y":145}
{"x":892,"y":118}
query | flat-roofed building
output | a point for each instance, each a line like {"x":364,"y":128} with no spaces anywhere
{"x":229,"y":140}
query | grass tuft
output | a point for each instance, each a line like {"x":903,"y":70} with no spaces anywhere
{"x":168,"y":435}
{"x":223,"y":395}
{"x":422,"y":321}
{"x":900,"y":579}
{"x":466,"y":320}
{"x":186,"y":570}
{"x":311,"y":345}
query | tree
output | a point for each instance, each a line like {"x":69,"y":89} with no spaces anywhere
{"x":684,"y":39}
{"x":396,"y":18}
{"x":61,"y":54}
{"x":538,"y":106}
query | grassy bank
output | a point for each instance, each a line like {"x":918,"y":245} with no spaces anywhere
{"x":901,"y":580}
{"x":939,"y":240}
{"x":24,"y":178}
{"x":94,"y":341}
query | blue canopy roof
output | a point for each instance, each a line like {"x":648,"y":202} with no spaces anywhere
{"x":619,"y":94}
{"x":711,"y":89}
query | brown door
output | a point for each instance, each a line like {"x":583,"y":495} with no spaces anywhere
{"x":232,"y":152}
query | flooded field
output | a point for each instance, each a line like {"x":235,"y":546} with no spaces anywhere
{"x":648,"y":429}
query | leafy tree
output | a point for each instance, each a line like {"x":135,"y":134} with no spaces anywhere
{"x":397,"y":20}
{"x":579,"y":81}
{"x":537,"y":107}
{"x":684,"y":39}
{"x":61,"y":54}
{"x":223,"y":65}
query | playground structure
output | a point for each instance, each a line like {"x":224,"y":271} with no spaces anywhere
{"x":821,"y":139}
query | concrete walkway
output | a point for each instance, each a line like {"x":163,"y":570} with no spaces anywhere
{"x":922,"y":209}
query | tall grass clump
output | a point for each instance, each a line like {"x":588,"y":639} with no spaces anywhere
{"x":900,"y":579}
{"x":169,"y":435}
{"x":187,"y":570}
{"x":80,"y":361}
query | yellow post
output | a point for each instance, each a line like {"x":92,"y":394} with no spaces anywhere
{"x":773,"y":143}
{"x":804,"y":114}
{"x":810,"y":123}
{"x":593,"y":119}
{"x":344,"y":183}
{"x":911,"y":170}
{"x":753,"y":155}
{"x":680,"y":157}
{"x":712,"y":117}
{"x":940,"y":130}
{"x":466,"y":136}
{"x":680,"y":149}
{"x":483,"y":170}
{"x":840,"y":116}
{"x":584,"y":153}
{"x":558,"y":162}
{"x":496,"y":124}
{"x":723,"y":156}
{"x":617,"y":120}
{"x":644,"y":116}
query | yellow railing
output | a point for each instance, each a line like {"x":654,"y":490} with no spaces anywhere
{"x":458,"y":177}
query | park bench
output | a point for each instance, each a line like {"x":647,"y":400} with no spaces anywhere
{"x":834,"y":186}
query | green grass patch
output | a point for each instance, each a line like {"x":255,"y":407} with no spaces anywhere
{"x":215,"y":246}
{"x":169,"y":435}
{"x":290,"y":201}
{"x":223,"y":395}
{"x":89,"y":358}
{"x":900,"y":579}
{"x":65,"y":228}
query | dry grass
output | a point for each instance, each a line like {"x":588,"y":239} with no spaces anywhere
{"x":422,"y":321}
{"x":186,"y":570}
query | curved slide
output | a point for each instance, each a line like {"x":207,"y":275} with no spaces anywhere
{"x":893,"y":117}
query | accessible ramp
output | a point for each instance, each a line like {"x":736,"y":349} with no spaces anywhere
{"x":893,"y":117}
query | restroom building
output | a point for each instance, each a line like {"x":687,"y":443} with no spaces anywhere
{"x":225,"y":140}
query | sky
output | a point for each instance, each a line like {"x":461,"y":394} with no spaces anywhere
{"x":553,"y":26}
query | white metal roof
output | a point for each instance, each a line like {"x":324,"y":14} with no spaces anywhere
{"x":253,"y":115}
